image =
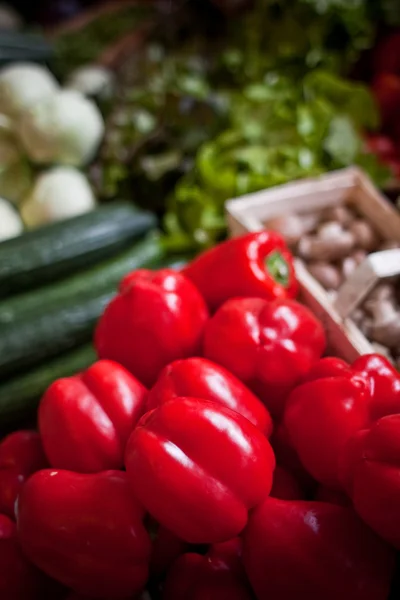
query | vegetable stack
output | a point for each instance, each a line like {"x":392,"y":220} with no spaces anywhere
{"x":54,"y":284}
{"x":212,"y":452}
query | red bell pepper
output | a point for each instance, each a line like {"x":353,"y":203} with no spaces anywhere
{"x":86,"y":531}
{"x":285,"y":486}
{"x":156,"y":318}
{"x":85,"y":420}
{"x":21,"y":454}
{"x":74,"y":596}
{"x":320,"y":417}
{"x":287,"y":457}
{"x":349,"y":458}
{"x":200,"y":378}
{"x":198,"y":468}
{"x":258,"y":264}
{"x":325,"y":494}
{"x":219,"y":575}
{"x":385,"y":380}
{"x":19,"y":579}
{"x":376,"y":478}
{"x":329,"y":366}
{"x":313,"y":550}
{"x":270,"y":346}
{"x":166,"y":548}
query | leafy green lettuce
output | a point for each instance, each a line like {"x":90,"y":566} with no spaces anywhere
{"x":278,"y":131}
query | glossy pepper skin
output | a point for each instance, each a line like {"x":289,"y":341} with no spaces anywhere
{"x":85,"y":420}
{"x":329,"y":366}
{"x":198,"y":468}
{"x":86,"y":531}
{"x":314,"y":550}
{"x":349,"y":458}
{"x":21,"y":454}
{"x":218,"y":575}
{"x":325,"y":494}
{"x":320,"y":417}
{"x":19,"y":579}
{"x":285,"y":486}
{"x":257,"y":265}
{"x":201,"y":378}
{"x":166,"y":548}
{"x":287,"y":457}
{"x":270,"y":346}
{"x":376,"y":478}
{"x":385,"y":381}
{"x":157,"y":317}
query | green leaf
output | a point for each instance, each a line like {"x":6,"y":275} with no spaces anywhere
{"x":342,"y":142}
{"x":379,"y":173}
{"x":347,"y":97}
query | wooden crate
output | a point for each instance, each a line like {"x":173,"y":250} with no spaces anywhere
{"x":251,"y":212}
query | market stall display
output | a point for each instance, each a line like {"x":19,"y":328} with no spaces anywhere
{"x":199,"y":346}
{"x":296,"y":210}
{"x":208,"y":425}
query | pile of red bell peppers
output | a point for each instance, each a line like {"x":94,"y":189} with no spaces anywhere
{"x":214,"y":451}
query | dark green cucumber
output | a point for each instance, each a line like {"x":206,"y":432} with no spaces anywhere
{"x":30,"y":342}
{"x":66,"y":321}
{"x":103,"y":276}
{"x":51,"y":328}
{"x":19,"y":397}
{"x":55,"y":250}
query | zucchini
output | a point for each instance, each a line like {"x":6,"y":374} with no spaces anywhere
{"x":55,"y":250}
{"x":29,"y":342}
{"x":52,"y":327}
{"x":103,"y":276}
{"x":19,"y":397}
{"x":66,"y":321}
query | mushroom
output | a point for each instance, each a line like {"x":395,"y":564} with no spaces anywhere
{"x":380,"y":293}
{"x":389,"y":245}
{"x":310,"y":221}
{"x":364,"y":235}
{"x":327,"y":275}
{"x":385,"y":328}
{"x":331,"y":243}
{"x":339,"y":213}
{"x":290,"y":226}
{"x":359,"y":256}
{"x":349,"y":264}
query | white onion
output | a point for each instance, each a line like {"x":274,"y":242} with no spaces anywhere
{"x":66,"y":128}
{"x":22,"y":85}
{"x":10,"y":221}
{"x":59,"y":193}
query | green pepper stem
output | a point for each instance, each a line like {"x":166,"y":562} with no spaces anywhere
{"x":277,"y":266}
